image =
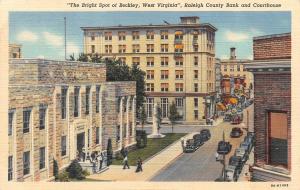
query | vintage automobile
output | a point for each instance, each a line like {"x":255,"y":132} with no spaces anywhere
{"x":231,"y":174}
{"x":205,"y":134}
{"x":249,"y":140}
{"x":237,"y":162}
{"x":237,"y":118}
{"x":224,"y":147}
{"x":240,"y":152}
{"x":198,"y":140}
{"x":227,"y":117}
{"x":246,"y":146}
{"x":236,"y":132}
{"x":190,"y":146}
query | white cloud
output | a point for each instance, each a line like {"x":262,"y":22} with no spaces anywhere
{"x":224,"y":57}
{"x":53,"y":39}
{"x":72,"y":48}
{"x":27,"y":36}
{"x":40,"y":57}
{"x":236,"y":36}
{"x":255,"y":32}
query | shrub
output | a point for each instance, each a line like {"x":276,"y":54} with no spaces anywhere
{"x":109,"y":152}
{"x":75,"y":170}
{"x":55,"y":169}
{"x":141,"y":139}
{"x":63,"y":176}
{"x":85,"y":172}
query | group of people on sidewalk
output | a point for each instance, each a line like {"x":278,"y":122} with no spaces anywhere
{"x":96,"y":159}
{"x":139,"y":162}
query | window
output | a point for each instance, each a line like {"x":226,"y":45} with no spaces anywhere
{"x":42,"y":116}
{"x":150,"y":47}
{"x":26,"y":120}
{"x":196,"y":61}
{"x":178,"y":35}
{"x":108,"y":36}
{"x":164,"y":74}
{"x":136,"y":60}
{"x":135,"y":35}
{"x":130,"y":129}
{"x":150,"y":61}
{"x":63,"y":145}
{"x":195,"y":102}
{"x":136,"y":48}
{"x":225,"y":67}
{"x":92,"y":38}
{"x":196,"y":87}
{"x":10,"y":168}
{"x":195,"y":74}
{"x":231,"y":67}
{"x":149,"y":107}
{"x":93,"y":48}
{"x":196,"y":116}
{"x":122,"y":60}
{"x":42,"y":158}
{"x":238,"y":67}
{"x":164,"y":47}
{"x":108,"y":48}
{"x":87,"y":100}
{"x":97,"y":98}
{"x":179,"y":102}
{"x":164,"y":61}
{"x":76,"y":101}
{"x":179,"y":61}
{"x":164,"y":87}
{"x":119,"y":105}
{"x":63,"y":102}
{"x":149,"y":87}
{"x":89,"y":137}
{"x":278,"y":138}
{"x":26,"y":163}
{"x":118,"y":133}
{"x":179,"y":87}
{"x":179,"y":74}
{"x":10,"y":122}
{"x":125,"y":104}
{"x":164,"y":107}
{"x":164,"y":34}
{"x":150,"y":74}
{"x":97,"y":135}
{"x":195,"y":47}
{"x":124,"y":131}
{"x":178,"y":48}
{"x":150,"y":35}
{"x":195,"y":37}
{"x":122,"y":48}
{"x":122,"y":35}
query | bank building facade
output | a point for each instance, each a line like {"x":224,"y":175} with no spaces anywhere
{"x":61,"y":109}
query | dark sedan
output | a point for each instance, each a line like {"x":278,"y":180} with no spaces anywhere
{"x":237,"y":162}
{"x":205,"y":134}
{"x":224,"y":147}
{"x":236,"y":132}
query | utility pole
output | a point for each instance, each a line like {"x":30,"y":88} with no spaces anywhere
{"x":224,"y":174}
{"x":247,"y":120}
{"x":65,"y":24}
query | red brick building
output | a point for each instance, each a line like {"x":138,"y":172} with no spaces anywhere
{"x":272,"y":107}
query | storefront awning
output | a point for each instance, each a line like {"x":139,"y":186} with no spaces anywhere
{"x":233,"y":101}
{"x":178,"y":32}
{"x":179,"y":46}
{"x":220,"y":107}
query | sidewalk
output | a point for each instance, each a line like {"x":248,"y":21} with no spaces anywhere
{"x":151,"y":167}
{"x":245,"y":174}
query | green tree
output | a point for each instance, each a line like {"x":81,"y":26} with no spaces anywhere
{"x":55,"y":169}
{"x":109,"y":152}
{"x":142,"y":116}
{"x":173,"y":115}
{"x":159,"y":119}
{"x":138,"y":75}
{"x":75,"y":170}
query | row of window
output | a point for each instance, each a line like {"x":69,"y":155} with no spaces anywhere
{"x":164,"y":61}
{"x":124,"y":130}
{"x":232,"y":69}
{"x":164,"y":87}
{"x":43,"y":109}
{"x":150,"y":34}
{"x":164,"y":48}
{"x":164,"y":74}
{"x":124,"y":106}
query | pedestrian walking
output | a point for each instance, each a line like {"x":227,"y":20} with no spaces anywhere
{"x":125,"y":163}
{"x":100,"y":158}
{"x":182,"y":144}
{"x":217,"y":156}
{"x":139,"y":167}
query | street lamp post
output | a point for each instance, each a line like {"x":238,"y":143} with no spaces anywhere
{"x":224,"y":173}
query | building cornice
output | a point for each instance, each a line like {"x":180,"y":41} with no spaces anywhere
{"x":266,"y":66}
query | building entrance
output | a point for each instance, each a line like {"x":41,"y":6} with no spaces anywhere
{"x":80,"y":145}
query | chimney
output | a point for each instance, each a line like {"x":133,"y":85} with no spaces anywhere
{"x":232,"y":53}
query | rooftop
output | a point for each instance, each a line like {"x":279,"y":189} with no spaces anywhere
{"x":271,"y":36}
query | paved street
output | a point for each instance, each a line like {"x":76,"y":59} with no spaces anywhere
{"x":201,"y":165}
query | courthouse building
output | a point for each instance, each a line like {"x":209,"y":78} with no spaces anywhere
{"x":178,"y":60}
{"x":58,"y":109}
{"x":272,"y":107}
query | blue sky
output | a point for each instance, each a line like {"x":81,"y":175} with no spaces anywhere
{"x":42,"y":33}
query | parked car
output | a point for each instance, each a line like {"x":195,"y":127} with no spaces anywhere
{"x":246,"y":146}
{"x":237,"y":162}
{"x":190,"y":146}
{"x":236,"y":132}
{"x":237,"y":118}
{"x":231,"y":174}
{"x":224,"y":147}
{"x":198,"y":140}
{"x":205,"y":134}
{"x":227,"y":117}
{"x":240,"y":152}
{"x":249,"y":140}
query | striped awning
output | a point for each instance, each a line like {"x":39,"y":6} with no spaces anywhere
{"x":178,"y":46}
{"x":178,"y":32}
